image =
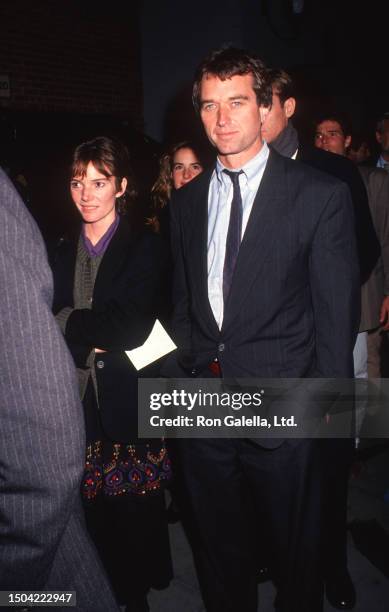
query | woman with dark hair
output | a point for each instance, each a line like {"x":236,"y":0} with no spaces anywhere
{"x":182,"y":163}
{"x":108,"y":282}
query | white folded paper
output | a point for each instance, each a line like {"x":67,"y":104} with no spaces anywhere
{"x":158,"y":344}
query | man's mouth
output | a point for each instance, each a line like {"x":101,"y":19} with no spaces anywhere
{"x":225,"y":134}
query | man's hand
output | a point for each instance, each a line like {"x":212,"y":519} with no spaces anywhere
{"x":384,"y":313}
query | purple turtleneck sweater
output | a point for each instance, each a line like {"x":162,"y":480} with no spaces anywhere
{"x":100,"y":246}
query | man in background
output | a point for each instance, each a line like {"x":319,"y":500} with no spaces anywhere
{"x":333,"y":133}
{"x":382,"y":136}
{"x":44,"y":543}
{"x":279,"y":132}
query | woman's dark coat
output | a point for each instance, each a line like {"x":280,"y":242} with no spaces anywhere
{"x":127,"y":296}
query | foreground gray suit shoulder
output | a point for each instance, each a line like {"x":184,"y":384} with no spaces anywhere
{"x":43,"y":541}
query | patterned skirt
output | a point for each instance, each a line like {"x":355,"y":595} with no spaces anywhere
{"x":138,"y":468}
{"x":122,"y":489}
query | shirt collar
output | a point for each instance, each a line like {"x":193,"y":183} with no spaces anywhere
{"x":250,"y":169}
{"x":100,"y":247}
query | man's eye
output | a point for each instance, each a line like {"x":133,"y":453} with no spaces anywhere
{"x":100,"y":184}
{"x":236,"y":103}
{"x":209,"y":107}
{"x":319,"y":136}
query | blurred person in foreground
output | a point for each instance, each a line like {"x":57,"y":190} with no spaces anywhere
{"x":44,"y":540}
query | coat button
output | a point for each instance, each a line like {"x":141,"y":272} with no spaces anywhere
{"x":100,"y":364}
{"x":221,"y":347}
{"x":194,"y":372}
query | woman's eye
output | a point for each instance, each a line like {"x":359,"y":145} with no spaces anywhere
{"x":197,"y":167}
{"x":75,"y":184}
{"x":178,"y":167}
{"x":100,"y":184}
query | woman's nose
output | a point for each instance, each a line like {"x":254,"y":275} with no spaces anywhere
{"x":187,"y":175}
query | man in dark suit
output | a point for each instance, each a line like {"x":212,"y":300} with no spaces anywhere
{"x":279,"y":131}
{"x":333,"y":133}
{"x":253,"y":242}
{"x":44,"y":543}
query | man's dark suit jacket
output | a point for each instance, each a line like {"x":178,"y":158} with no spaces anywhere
{"x":368,"y":246}
{"x":43,"y":540}
{"x":293,"y":310}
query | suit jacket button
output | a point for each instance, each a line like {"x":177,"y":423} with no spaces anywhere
{"x":194,"y":372}
{"x":100,"y":364}
{"x":221,"y":347}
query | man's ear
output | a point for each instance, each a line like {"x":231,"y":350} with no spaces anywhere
{"x":347,"y":142}
{"x":289,"y":107}
{"x":378,"y":136}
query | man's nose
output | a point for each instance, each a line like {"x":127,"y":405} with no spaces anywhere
{"x":222,"y":115}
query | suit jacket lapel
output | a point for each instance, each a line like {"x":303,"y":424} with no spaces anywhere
{"x":260,"y":234}
{"x":112,"y":259}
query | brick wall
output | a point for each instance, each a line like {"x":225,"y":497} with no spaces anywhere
{"x":71,"y":56}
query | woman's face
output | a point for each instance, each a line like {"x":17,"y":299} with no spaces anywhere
{"x":95,"y":196}
{"x":185,"y":167}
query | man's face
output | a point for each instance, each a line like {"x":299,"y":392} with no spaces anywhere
{"x":383,"y":137}
{"x":330,"y":137}
{"x":277,"y":117}
{"x":231,"y":117}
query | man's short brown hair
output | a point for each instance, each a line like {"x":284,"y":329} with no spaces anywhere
{"x":227,"y":62}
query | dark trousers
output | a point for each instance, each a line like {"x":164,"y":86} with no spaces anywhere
{"x":132,"y":539}
{"x":339,"y":455}
{"x":243,"y":496}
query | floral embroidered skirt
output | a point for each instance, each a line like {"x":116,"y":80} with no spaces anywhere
{"x":122,"y":489}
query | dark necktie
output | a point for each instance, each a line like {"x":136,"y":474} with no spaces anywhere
{"x":233,"y":235}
